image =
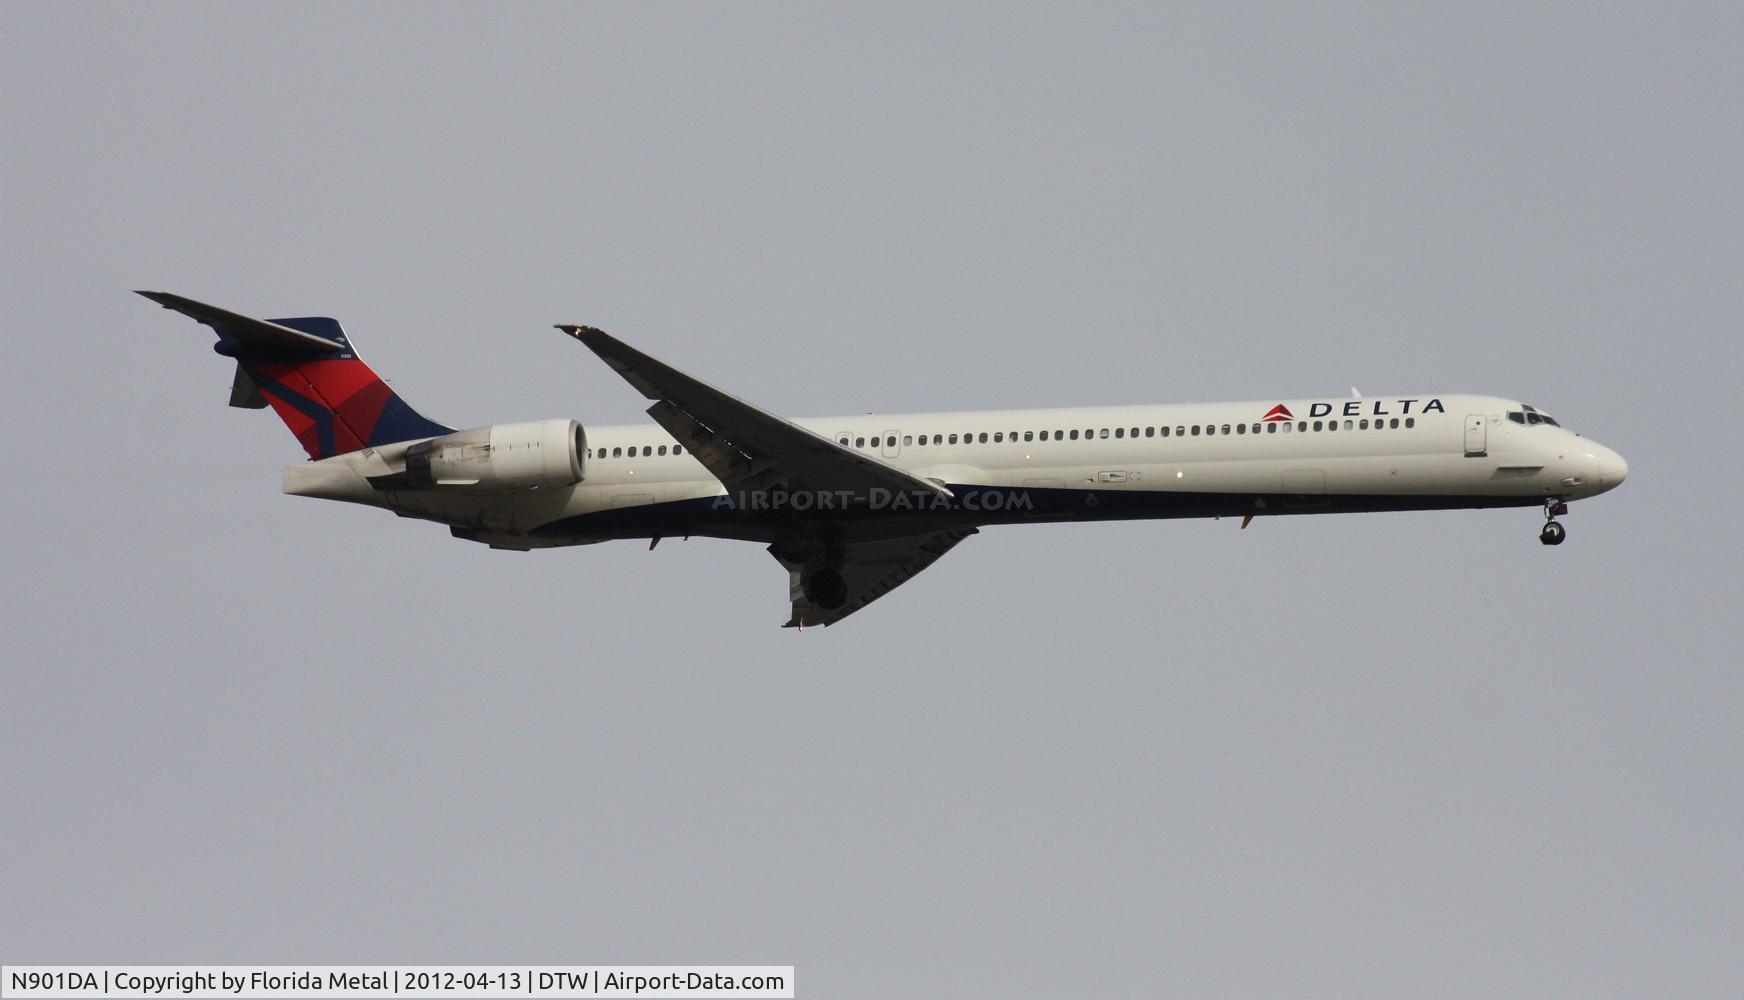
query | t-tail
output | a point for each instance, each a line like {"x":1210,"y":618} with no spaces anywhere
{"x":306,"y":370}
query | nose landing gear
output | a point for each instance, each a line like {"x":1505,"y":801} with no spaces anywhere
{"x":1553,"y":532}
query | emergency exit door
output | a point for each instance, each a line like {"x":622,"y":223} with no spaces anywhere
{"x":891,"y":448}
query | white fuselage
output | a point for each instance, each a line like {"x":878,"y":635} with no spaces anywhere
{"x":1383,"y":452}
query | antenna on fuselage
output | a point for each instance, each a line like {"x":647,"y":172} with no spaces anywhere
{"x":1354,"y":394}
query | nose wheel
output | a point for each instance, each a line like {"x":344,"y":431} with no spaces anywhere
{"x":1554,"y":532}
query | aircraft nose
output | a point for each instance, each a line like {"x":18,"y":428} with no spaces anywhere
{"x":1612,"y":469}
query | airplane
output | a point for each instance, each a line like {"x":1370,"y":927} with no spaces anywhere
{"x":853,"y":506}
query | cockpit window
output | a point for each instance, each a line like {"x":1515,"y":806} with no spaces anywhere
{"x":1529,"y":414}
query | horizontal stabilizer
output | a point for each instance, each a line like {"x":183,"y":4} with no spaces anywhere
{"x":305,"y":369}
{"x":247,"y":330}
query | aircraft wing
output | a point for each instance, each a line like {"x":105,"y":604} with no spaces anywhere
{"x":746,"y":448}
{"x":870,"y":570}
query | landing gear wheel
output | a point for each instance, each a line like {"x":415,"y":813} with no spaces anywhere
{"x":826,"y":588}
{"x":1553,"y":533}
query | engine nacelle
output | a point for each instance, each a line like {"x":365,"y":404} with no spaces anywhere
{"x":544,"y":454}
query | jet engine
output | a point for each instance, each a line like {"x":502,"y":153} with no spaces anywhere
{"x":543,"y":454}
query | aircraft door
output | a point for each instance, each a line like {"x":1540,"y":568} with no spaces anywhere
{"x":1476,"y":436}
{"x":892,"y":444}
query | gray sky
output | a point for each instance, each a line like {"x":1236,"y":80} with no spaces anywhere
{"x":1406,"y":754}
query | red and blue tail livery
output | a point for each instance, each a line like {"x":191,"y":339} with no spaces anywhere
{"x":305,"y":369}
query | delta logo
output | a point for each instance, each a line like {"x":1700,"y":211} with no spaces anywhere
{"x":1357,"y":408}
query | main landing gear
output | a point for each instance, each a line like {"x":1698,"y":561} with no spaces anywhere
{"x":1553,"y":532}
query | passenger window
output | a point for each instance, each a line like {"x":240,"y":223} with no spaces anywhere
{"x":998,"y":437}
{"x":1195,"y":430}
{"x":953,"y":439}
{"x":1165,"y":432}
{"x":860,"y":442}
{"x":1104,"y":434}
{"x":1316,"y":425}
{"x":1074,"y":435}
{"x":1241,"y":428}
{"x":1272,"y":428}
{"x":1288,"y":427}
{"x":1410,"y":421}
{"x":661,"y":450}
{"x":1029,"y":435}
{"x":1395,"y":423}
{"x":1226,"y":428}
{"x":907,"y":440}
{"x":1180,"y":431}
{"x":616,"y":452}
{"x":1332,"y":425}
{"x":1135,"y":432}
{"x":1120,"y":432}
{"x":678,"y":449}
{"x":1362,"y":425}
{"x":647,"y":451}
{"x":983,"y":438}
{"x":1150,"y":432}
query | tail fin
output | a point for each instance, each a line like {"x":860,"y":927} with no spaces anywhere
{"x":306,"y":370}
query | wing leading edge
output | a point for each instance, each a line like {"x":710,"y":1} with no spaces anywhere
{"x":746,"y":448}
{"x":750,"y":450}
